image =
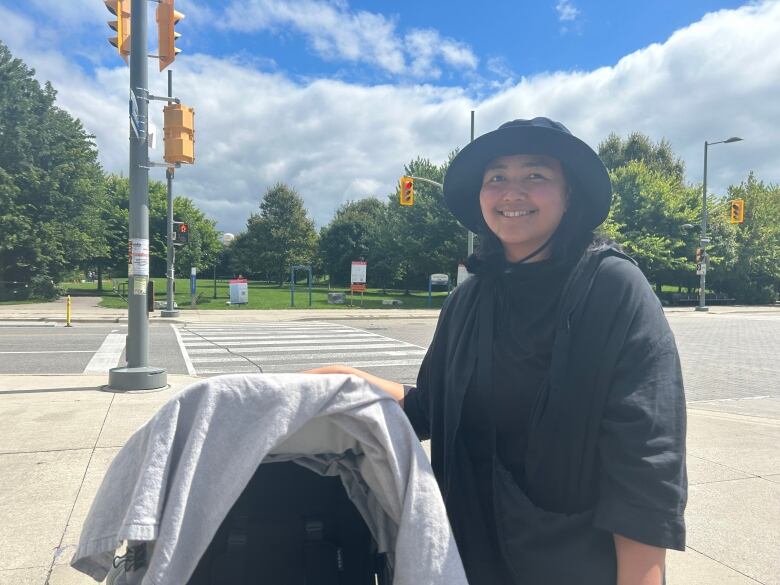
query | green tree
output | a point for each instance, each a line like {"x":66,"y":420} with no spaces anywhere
{"x":50,"y":180}
{"x":280,"y":236}
{"x":750,"y":264}
{"x":351,"y":235}
{"x":428,"y":237}
{"x":617,"y":152}
{"x":649,"y":210}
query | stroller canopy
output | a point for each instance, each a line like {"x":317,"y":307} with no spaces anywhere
{"x":177,"y":477}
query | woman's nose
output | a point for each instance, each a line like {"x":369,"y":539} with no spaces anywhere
{"x":514,"y":190}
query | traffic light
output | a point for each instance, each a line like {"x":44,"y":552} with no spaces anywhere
{"x":181,"y":232}
{"x":167,"y":18}
{"x":120,"y":9}
{"x":407,"y":191}
{"x":698,"y":255}
{"x":737,"y":210}
{"x":179,"y":134}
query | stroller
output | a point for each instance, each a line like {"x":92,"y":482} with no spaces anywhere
{"x":280,"y":479}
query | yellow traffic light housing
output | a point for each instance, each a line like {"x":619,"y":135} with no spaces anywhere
{"x":179,"y":134}
{"x":167,"y":18}
{"x":120,"y":9}
{"x":737,"y":210}
{"x":407,"y":191}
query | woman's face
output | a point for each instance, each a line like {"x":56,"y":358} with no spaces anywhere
{"x":523,"y":199}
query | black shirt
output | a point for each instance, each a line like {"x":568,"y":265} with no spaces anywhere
{"x":526,"y":298}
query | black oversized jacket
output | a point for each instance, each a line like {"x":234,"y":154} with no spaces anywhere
{"x":606,"y":437}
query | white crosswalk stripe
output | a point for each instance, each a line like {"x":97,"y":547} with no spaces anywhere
{"x":289,"y":347}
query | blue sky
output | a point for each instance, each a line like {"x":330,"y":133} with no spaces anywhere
{"x":333,"y":97}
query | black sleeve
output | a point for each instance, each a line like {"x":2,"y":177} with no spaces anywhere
{"x":417,"y":400}
{"x":643,"y":481}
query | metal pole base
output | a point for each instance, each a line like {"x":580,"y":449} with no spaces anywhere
{"x":145,"y":378}
{"x":703,"y":309}
{"x":167,"y":313}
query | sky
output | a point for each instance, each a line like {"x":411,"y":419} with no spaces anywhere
{"x":334,"y":97}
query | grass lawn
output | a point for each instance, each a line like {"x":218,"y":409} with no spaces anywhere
{"x":263,"y":296}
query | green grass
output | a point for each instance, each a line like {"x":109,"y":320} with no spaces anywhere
{"x":265,"y":296}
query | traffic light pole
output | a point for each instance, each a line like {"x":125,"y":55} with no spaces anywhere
{"x":170,"y":310}
{"x":137,"y":374}
{"x":704,"y":240}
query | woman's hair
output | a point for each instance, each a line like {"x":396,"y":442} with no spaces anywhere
{"x":568,"y":243}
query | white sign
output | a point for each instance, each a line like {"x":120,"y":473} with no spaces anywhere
{"x":193,"y":271}
{"x":134,"y":115}
{"x":358,"y":272}
{"x":440,"y":279}
{"x":701,"y":269}
{"x":139,"y":251}
{"x":463,"y":274}
{"x":139,"y":285}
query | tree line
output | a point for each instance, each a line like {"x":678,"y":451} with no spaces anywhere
{"x":60,"y":213}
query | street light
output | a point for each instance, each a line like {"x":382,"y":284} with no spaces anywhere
{"x":704,"y":239}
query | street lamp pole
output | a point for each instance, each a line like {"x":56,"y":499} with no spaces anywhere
{"x":704,"y":239}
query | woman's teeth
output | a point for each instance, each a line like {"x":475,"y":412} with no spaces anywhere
{"x":515,"y":213}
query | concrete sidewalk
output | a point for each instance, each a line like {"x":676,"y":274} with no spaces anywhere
{"x":58,"y":435}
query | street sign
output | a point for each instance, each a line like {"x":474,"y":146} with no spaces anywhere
{"x":134,"y":124}
{"x":701,"y":268}
{"x":440,"y":279}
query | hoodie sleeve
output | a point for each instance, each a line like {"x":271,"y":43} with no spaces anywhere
{"x":643,"y":481}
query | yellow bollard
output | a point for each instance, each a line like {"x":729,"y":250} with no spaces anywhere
{"x":67,"y":312}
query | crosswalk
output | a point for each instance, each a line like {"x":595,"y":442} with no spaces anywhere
{"x":289,"y":347}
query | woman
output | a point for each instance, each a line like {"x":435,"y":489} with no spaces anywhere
{"x":552,"y":391}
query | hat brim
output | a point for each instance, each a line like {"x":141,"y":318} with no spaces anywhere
{"x":463,"y":180}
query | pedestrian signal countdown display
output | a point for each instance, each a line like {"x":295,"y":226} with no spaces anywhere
{"x":407,"y":191}
{"x":179,"y":134}
{"x":181,"y":233}
{"x":737,"y":210}
{"x":120,"y":9}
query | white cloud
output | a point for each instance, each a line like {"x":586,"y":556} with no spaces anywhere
{"x":335,"y":141}
{"x":566,"y":10}
{"x":336,"y":33}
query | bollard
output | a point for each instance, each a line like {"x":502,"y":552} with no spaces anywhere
{"x":67,"y":312}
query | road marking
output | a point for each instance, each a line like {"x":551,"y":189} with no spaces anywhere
{"x":322,"y":356}
{"x":107,"y":356}
{"x":52,"y":351}
{"x":187,"y":361}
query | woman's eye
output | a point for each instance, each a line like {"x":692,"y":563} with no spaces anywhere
{"x":496,"y":179}
{"x":536,"y":176}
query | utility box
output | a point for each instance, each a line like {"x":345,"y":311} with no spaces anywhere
{"x":179,"y":134}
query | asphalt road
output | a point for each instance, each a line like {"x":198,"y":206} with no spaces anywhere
{"x":724,"y":356}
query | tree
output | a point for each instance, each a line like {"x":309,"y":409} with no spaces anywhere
{"x":428,"y":237}
{"x":750,"y":266}
{"x":351,"y":235}
{"x":50,"y":180}
{"x":617,"y":152}
{"x":280,"y":236}
{"x":648,"y":211}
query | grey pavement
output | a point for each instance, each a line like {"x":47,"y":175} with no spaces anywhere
{"x":58,"y":434}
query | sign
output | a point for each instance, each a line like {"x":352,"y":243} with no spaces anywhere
{"x":701,"y":268}
{"x":358,"y":272}
{"x":361,"y":288}
{"x":139,"y":256}
{"x":139,"y":285}
{"x":193,"y":280}
{"x":463,"y":274}
{"x":239,"y":291}
{"x":133,"y":106}
{"x":440,"y":279}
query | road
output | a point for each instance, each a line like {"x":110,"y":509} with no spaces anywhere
{"x":725,"y":357}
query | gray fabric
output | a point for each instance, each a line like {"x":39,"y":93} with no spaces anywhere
{"x":176,"y":478}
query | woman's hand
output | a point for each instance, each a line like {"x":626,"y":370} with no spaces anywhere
{"x":394,"y":389}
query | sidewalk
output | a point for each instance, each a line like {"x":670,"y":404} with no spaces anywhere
{"x":58,"y":435}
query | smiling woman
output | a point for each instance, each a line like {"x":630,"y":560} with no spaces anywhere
{"x":552,"y":390}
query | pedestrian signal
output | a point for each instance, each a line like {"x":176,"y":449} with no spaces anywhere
{"x":120,"y":9}
{"x":407,"y":191}
{"x":181,"y":233}
{"x":179,"y":134}
{"x":698,"y":255}
{"x":737,"y":210}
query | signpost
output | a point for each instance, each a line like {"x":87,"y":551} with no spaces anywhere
{"x":357,"y":280}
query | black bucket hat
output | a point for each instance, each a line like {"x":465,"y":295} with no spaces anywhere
{"x":463,"y":180}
